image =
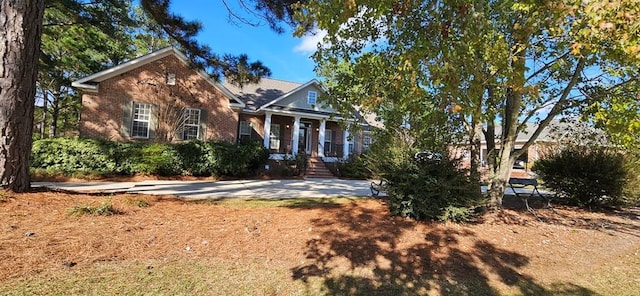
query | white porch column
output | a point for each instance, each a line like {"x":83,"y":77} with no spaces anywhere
{"x":321,"y":131}
{"x":267,"y":130}
{"x":345,"y":141}
{"x":296,"y":136}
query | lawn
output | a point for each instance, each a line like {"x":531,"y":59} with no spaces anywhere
{"x":345,"y":246}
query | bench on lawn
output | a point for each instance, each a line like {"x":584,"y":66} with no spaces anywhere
{"x":523,"y":183}
{"x":376,"y":187}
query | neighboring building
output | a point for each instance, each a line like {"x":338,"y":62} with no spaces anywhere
{"x":158,"y":97}
{"x":556,"y":134}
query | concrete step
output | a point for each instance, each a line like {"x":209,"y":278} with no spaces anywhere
{"x":317,"y":169}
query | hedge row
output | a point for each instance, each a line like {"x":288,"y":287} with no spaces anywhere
{"x":71,"y":156}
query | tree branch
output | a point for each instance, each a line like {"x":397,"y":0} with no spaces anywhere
{"x":557,"y":108}
{"x":546,"y":66}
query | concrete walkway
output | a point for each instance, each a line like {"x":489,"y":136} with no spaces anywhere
{"x":307,"y":188}
{"x":224,"y":189}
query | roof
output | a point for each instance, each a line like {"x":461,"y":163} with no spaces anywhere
{"x":557,"y":130}
{"x":92,"y":82}
{"x":268,"y":91}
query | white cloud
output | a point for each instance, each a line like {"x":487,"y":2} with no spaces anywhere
{"x":309,"y":43}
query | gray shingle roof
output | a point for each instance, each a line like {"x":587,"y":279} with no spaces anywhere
{"x":267,"y":90}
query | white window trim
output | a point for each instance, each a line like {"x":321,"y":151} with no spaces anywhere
{"x":134,"y":119}
{"x":365,"y":145}
{"x":244,"y":134}
{"x":273,"y":138}
{"x":314,"y":95}
{"x":328,"y":138}
{"x":186,"y":120}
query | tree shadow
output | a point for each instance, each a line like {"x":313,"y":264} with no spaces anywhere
{"x":362,"y":252}
{"x":612,"y":220}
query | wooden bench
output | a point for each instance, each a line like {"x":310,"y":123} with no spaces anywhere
{"x":523,"y":183}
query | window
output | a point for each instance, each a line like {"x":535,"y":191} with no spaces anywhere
{"x":366,"y":142}
{"x":245,"y":130}
{"x":141,"y":120}
{"x":312,"y":97}
{"x":274,"y":137}
{"x":171,"y":78}
{"x":191,"y":126}
{"x":328,"y":139}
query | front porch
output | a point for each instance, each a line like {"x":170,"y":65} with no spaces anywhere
{"x":316,"y":136}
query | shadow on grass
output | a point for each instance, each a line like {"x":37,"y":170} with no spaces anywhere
{"x":365,"y":253}
{"x":302,"y":203}
{"x":575,"y":217}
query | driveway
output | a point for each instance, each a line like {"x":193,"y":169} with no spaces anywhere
{"x":307,"y":188}
{"x":219,"y":189}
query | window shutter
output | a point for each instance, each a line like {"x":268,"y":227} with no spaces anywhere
{"x":153,"y":121}
{"x":127,"y":110}
{"x":202,"y":135}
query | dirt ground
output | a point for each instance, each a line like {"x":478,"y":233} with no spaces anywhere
{"x":328,"y":240}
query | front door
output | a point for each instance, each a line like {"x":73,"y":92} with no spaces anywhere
{"x":304,"y":137}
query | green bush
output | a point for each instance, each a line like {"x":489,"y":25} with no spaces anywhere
{"x":588,"y":177}
{"x":631,"y":189}
{"x":158,"y":159}
{"x":430,"y":190}
{"x":354,"y":167}
{"x":72,"y":156}
{"x":238,"y":160}
{"x":196,"y":157}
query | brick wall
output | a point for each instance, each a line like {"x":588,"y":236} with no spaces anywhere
{"x":103,"y":111}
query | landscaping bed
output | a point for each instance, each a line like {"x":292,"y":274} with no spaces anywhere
{"x":166,"y":245}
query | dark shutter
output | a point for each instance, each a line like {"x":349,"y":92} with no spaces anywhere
{"x":153,"y":121}
{"x":127,"y":110}
{"x":203,"y":125}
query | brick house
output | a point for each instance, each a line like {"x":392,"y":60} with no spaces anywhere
{"x":158,"y":97}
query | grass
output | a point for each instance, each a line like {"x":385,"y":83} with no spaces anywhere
{"x":257,"y":277}
{"x":138,"y":202}
{"x":157,"y":277}
{"x":104,"y":209}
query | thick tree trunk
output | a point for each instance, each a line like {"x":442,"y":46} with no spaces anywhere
{"x":20,"y":32}
{"x":500,"y":176}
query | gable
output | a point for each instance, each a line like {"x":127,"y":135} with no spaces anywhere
{"x":298,"y":100}
{"x":92,"y":83}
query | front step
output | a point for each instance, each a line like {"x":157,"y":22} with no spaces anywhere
{"x":317,"y":169}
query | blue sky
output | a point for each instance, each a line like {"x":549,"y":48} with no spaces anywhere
{"x":287,"y":57}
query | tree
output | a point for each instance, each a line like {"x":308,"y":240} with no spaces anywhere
{"x":20,"y":36}
{"x":487,"y":63}
{"x":20,"y":29}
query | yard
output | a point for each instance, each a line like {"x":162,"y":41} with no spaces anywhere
{"x":164,"y":245}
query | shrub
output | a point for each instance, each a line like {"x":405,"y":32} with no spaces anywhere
{"x":157,"y":159}
{"x":631,"y":189}
{"x":88,"y":157}
{"x":430,"y":190}
{"x":354,"y":167}
{"x":74,"y":156}
{"x":196,"y":157}
{"x":588,"y":177}
{"x":237,"y":160}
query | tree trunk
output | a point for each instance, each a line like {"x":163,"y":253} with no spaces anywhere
{"x":55,"y":114}
{"x":20,"y":32}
